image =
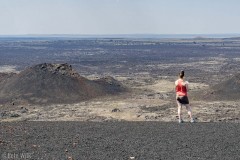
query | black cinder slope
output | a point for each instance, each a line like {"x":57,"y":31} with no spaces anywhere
{"x":55,"y":83}
{"x":226,"y":90}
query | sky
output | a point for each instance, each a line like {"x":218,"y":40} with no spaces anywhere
{"x":19,"y":17}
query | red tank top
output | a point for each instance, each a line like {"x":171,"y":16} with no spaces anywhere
{"x":180,"y":89}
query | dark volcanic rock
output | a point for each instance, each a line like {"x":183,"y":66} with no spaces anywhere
{"x":226,"y":90}
{"x":55,"y":83}
{"x":4,"y":76}
{"x":14,"y":115}
{"x":23,"y":110}
{"x":4,"y":114}
{"x":121,"y":140}
{"x":116,"y":110}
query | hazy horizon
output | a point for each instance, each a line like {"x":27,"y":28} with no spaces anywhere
{"x":119,"y":17}
{"x":124,"y":36}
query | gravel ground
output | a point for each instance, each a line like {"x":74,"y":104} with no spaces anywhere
{"x":119,"y":140}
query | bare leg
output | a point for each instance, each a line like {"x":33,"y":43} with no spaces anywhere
{"x":189,"y":109}
{"x":179,"y":110}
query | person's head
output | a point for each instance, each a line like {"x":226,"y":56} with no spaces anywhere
{"x":181,"y":74}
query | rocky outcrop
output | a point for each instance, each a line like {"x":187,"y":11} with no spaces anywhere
{"x":55,"y":83}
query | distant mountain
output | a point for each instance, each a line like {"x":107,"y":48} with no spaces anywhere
{"x":54,"y":83}
{"x":111,"y":36}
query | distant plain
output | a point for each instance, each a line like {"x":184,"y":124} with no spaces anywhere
{"x":148,"y":67}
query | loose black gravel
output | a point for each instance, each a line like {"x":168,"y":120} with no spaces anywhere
{"x":119,"y":140}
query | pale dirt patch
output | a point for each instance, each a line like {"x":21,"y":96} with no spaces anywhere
{"x":216,"y":110}
{"x":165,"y":86}
{"x":130,"y":110}
{"x":197,"y":86}
{"x":162,"y":86}
{"x":159,"y":86}
{"x":8,"y":69}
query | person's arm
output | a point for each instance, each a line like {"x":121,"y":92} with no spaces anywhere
{"x":176,"y":83}
{"x":186,"y":84}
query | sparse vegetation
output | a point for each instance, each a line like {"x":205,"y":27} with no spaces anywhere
{"x":148,"y":67}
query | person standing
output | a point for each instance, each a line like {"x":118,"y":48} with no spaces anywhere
{"x":182,"y":97}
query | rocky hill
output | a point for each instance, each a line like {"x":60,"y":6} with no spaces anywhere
{"x":54,"y":83}
{"x":226,"y":90}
